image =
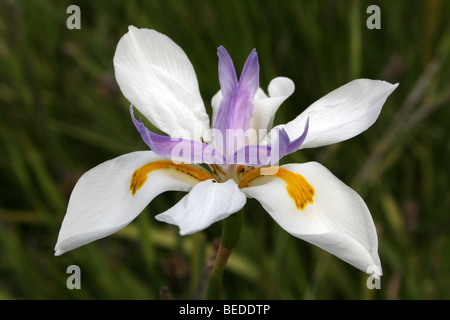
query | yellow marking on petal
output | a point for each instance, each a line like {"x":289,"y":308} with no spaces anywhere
{"x":194,"y":174}
{"x":298,"y":187}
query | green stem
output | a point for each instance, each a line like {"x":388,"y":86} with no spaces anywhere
{"x":230,"y":236}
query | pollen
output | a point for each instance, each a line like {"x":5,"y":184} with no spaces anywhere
{"x":297,"y":187}
{"x":186,"y":172}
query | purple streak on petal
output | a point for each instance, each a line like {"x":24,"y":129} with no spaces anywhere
{"x":295,"y":145}
{"x":236,"y":108}
{"x":264,"y":155}
{"x":228,"y":87}
{"x":183,"y":150}
{"x":247,"y":87}
{"x":227,"y":73}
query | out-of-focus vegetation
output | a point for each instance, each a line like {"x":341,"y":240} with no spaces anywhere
{"x":61,"y":113}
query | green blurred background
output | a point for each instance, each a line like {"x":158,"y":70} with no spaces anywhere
{"x":62,"y":113}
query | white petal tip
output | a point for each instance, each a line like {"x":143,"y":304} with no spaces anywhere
{"x":163,"y":217}
{"x":392,"y":86}
{"x":375,"y":271}
{"x":59,"y":252}
{"x":281,"y":86}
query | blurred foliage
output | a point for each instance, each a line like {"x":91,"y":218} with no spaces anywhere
{"x":62,"y":113}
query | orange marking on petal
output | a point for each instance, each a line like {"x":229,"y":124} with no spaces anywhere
{"x":297,"y":186}
{"x":191,"y":172}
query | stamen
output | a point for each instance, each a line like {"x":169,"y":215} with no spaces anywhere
{"x":190,"y":172}
{"x":297,"y":187}
{"x":217,"y":171}
{"x":242,"y":170}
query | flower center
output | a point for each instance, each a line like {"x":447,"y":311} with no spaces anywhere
{"x":188,"y":173}
{"x":297,"y":186}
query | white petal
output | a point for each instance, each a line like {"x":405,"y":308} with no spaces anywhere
{"x":337,"y":221}
{"x":206,"y":203}
{"x":341,"y":114}
{"x":101,"y":202}
{"x":279,"y":90}
{"x":156,"y":76}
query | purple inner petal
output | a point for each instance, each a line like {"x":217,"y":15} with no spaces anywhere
{"x":177,"y":149}
{"x":227,"y":73}
{"x":236,"y":108}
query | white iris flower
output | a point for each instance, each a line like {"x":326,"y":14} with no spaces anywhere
{"x":306,"y":199}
